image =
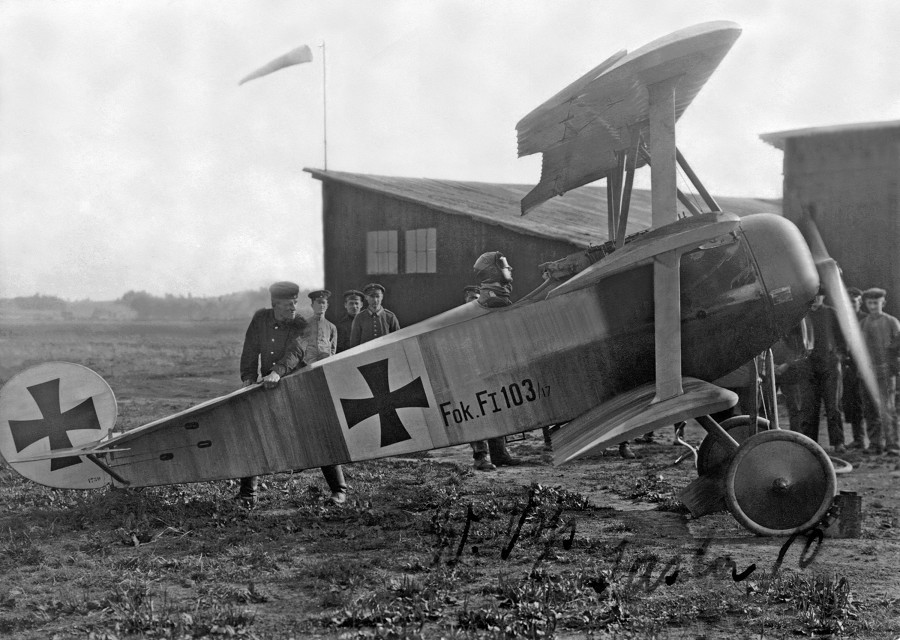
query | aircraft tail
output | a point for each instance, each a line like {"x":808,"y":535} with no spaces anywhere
{"x":53,"y":418}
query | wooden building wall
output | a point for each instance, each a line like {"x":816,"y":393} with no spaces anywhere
{"x":350,"y":212}
{"x":852,"y":179}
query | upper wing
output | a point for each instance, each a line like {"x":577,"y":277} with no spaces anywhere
{"x":580,"y":129}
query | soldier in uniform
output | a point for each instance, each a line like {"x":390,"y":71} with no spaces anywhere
{"x":495,"y":446}
{"x":319,"y":342}
{"x":825,"y":359}
{"x":353,"y":303}
{"x":320,"y":339}
{"x":882,"y":335}
{"x":272,"y":349}
{"x":374,"y":321}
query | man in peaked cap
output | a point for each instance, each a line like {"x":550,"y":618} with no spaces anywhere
{"x":320,"y":342}
{"x":320,"y":339}
{"x":272,"y":349}
{"x":374,"y":321}
{"x":825,"y":360}
{"x":353,"y":304}
{"x":882,"y":335}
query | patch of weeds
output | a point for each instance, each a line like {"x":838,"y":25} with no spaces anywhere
{"x":869,"y":550}
{"x":17,"y":549}
{"x":16,"y":624}
{"x":400,"y":609}
{"x":134,"y":608}
{"x":539,"y":604}
{"x":824,"y":603}
{"x":249,"y":594}
{"x":653,"y":487}
{"x":393,"y":617}
{"x":528,"y":621}
{"x":346,"y":575}
{"x":559,"y":496}
{"x":253,"y":557}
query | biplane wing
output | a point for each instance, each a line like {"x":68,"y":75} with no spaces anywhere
{"x":581,"y":129}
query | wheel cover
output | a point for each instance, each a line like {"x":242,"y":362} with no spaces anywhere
{"x":779,"y":483}
{"x":711,"y":454}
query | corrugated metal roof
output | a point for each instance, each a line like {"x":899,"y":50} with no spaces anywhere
{"x":778,"y":138}
{"x":579,"y":217}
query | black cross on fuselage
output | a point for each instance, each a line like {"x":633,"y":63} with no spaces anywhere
{"x":54,"y":423}
{"x":384,"y":403}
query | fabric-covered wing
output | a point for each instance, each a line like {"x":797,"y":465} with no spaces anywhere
{"x":580,"y":129}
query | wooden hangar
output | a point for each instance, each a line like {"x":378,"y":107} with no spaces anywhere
{"x":378,"y":228}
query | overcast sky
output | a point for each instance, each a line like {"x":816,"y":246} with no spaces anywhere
{"x":131,"y":159}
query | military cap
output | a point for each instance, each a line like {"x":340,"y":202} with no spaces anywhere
{"x":472,"y":288}
{"x":853,"y":292}
{"x":284,"y":290}
{"x":321,"y":293}
{"x":354,"y":292}
{"x":372,"y":286}
{"x":874,"y":292}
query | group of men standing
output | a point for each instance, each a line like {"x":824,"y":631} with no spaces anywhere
{"x":279,"y":342}
{"x":815,"y":369}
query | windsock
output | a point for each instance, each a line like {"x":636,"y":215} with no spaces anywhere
{"x":295,"y":56}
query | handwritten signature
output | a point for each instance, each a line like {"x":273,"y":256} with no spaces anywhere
{"x":641,"y":569}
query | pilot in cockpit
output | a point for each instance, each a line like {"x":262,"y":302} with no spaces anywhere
{"x":494,"y":274}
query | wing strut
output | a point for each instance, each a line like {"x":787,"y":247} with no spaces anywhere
{"x":631,"y":166}
{"x":706,"y":195}
{"x":667,"y":323}
{"x":682,"y":197}
{"x":662,"y":141}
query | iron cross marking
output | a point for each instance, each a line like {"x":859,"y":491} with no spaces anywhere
{"x":384,"y":403}
{"x":54,"y":423}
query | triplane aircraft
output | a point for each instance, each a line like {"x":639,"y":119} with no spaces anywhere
{"x":615,"y":347}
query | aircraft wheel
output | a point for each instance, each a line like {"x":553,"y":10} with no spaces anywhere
{"x":779,"y":483}
{"x":711,"y":454}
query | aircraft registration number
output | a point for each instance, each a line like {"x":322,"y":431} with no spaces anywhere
{"x":506,"y":397}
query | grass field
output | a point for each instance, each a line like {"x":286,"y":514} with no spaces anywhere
{"x":424,"y":548}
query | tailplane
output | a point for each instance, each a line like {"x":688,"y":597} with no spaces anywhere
{"x":53,"y":417}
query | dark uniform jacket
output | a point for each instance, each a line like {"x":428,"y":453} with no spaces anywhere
{"x":271,"y":345}
{"x":344,"y":325}
{"x":368,"y":325}
{"x":828,"y":341}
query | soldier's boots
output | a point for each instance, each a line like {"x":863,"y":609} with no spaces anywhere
{"x":499,"y":455}
{"x":482,"y":463}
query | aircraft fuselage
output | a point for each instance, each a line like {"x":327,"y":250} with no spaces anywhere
{"x":474,"y":373}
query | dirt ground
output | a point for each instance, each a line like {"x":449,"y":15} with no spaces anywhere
{"x":872,"y":560}
{"x":426,"y":547}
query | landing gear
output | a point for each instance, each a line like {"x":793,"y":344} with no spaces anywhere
{"x":711,"y":454}
{"x":773,"y":482}
{"x":779,"y":483}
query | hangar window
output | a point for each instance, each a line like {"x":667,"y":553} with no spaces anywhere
{"x":421,"y":251}
{"x":381,"y":252}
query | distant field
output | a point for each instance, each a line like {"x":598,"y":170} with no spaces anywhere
{"x":154,"y":368}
